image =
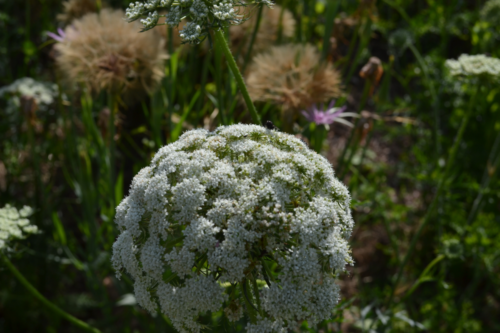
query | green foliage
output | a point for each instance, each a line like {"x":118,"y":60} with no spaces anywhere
{"x":74,"y":161}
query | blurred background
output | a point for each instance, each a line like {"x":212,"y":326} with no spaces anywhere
{"x":86,"y":101}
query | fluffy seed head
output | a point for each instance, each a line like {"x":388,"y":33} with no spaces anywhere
{"x":75,"y":9}
{"x":104,"y":52}
{"x":292,"y":75}
{"x":243,"y":203}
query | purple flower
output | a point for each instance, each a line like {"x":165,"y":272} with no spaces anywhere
{"x":328,"y":116}
{"x":60,"y":37}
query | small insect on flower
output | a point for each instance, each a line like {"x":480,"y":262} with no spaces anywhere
{"x":269,"y":125}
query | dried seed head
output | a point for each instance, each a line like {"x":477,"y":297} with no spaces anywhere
{"x":75,"y":9}
{"x":292,"y":75}
{"x":104,"y":52}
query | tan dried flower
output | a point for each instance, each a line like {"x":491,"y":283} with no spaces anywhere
{"x":75,"y":9}
{"x":292,"y":75}
{"x":104,"y":52}
{"x":268,"y":29}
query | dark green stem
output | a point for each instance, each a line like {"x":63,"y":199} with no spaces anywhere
{"x":221,"y":42}
{"x":491,"y":167}
{"x":252,"y":39}
{"x":331,"y":12}
{"x":439,"y":190}
{"x":113,"y":108}
{"x":341,"y":169}
{"x":33,"y":291}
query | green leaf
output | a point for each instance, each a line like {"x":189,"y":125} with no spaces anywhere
{"x":61,"y":235}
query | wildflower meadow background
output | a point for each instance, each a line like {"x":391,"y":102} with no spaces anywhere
{"x":113,"y":166}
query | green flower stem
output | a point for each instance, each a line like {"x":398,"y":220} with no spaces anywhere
{"x":251,"y":311}
{"x":440,"y":188}
{"x":489,"y":172}
{"x":434,"y":97}
{"x":46,"y":302}
{"x":252,"y":39}
{"x":343,"y":166}
{"x":113,"y":109}
{"x":331,"y":12}
{"x":221,"y":42}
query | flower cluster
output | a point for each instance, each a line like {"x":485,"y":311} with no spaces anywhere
{"x":75,"y":9}
{"x":242,"y":216}
{"x":14,"y":224}
{"x":42,"y":93}
{"x":202,"y":15}
{"x":474,"y":65}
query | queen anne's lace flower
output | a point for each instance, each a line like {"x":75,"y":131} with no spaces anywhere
{"x":242,"y":215}
{"x":44,"y":94}
{"x":14,"y":224}
{"x":474,"y":65}
{"x":200,"y":14}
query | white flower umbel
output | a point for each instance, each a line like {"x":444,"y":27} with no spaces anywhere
{"x":44,"y":94}
{"x":14,"y":224}
{"x":240,"y":218}
{"x":201,"y":14}
{"x":474,"y":65}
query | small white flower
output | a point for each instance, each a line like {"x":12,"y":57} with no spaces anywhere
{"x":150,"y":21}
{"x":474,"y":65}
{"x":199,"y":10}
{"x":224,"y":10}
{"x":44,"y":94}
{"x":174,"y":17}
{"x":14,"y":224}
{"x":191,"y":32}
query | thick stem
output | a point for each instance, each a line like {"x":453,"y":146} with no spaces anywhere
{"x":220,"y":42}
{"x":46,"y":302}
